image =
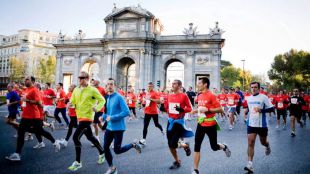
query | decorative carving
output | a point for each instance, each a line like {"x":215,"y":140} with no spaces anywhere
{"x":216,"y":30}
{"x":203,"y":60}
{"x":126,"y":51}
{"x":80,"y":35}
{"x":68,"y":61}
{"x":142,"y":51}
{"x":190,"y":53}
{"x":61,"y":37}
{"x":190,"y":32}
{"x":90,"y":54}
{"x":77,"y":55}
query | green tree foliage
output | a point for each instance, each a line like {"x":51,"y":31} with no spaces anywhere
{"x":47,"y":69}
{"x":17,"y":69}
{"x":291,"y":69}
{"x":233,"y":77}
{"x":225,"y":63}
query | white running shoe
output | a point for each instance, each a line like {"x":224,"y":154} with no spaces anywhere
{"x":227,"y":151}
{"x":13,"y":157}
{"x":75,"y":166}
{"x":142,"y":142}
{"x":230,"y":127}
{"x":249,"y":167}
{"x":57,"y":146}
{"x":39,"y":145}
{"x":277,"y":127}
{"x":64,"y":142}
{"x":111,"y":171}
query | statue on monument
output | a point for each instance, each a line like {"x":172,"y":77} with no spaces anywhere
{"x":216,"y":30}
{"x":192,"y":32}
{"x":80,"y":35}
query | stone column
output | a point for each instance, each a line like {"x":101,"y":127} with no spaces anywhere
{"x":188,"y":70}
{"x":107,"y":64}
{"x":142,"y":83}
{"x":77,"y":67}
{"x":58,"y":68}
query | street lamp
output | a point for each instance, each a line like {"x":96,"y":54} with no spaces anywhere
{"x":243,"y":60}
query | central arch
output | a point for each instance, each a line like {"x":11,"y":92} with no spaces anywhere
{"x":174,"y":69}
{"x":126,"y":73}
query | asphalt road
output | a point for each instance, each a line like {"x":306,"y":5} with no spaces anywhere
{"x":289,"y":155}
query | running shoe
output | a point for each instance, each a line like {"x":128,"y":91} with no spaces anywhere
{"x":101,"y":159}
{"x":249,"y":168}
{"x":13,"y":157}
{"x":39,"y":145}
{"x":175,"y":165}
{"x":268,"y":150}
{"x":227,"y":151}
{"x":64,"y":142}
{"x":111,"y":171}
{"x":52,"y":126}
{"x":142,"y":142}
{"x":293,"y":134}
{"x":137,"y":146}
{"x":75,"y":166}
{"x":57,"y":146}
{"x":195,"y":171}
{"x":187,"y":149}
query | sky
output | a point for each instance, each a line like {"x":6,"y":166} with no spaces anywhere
{"x":255,"y":30}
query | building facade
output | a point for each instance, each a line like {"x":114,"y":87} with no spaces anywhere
{"x":134,"y":52}
{"x":27,"y":45}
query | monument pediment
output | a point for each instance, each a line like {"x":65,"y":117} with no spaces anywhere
{"x":129,"y":12}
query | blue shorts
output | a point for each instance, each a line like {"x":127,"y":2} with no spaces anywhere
{"x":231,"y":109}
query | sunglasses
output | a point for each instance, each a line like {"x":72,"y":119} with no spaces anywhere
{"x":82,"y":77}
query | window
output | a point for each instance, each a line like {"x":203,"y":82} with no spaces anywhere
{"x":41,"y":38}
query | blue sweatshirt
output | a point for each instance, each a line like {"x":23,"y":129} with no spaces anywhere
{"x":117,"y":109}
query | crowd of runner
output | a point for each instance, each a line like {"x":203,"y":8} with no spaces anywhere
{"x":90,"y":108}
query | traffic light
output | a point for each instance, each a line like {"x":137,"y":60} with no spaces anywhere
{"x":158,"y":83}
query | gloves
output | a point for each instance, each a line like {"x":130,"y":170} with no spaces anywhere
{"x":179,"y":109}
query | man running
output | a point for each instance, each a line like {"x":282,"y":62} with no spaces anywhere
{"x":31,"y":119}
{"x":257,"y":105}
{"x":208,"y":106}
{"x":177,"y":105}
{"x":131,"y":100}
{"x":12,"y":101}
{"x":115,"y":112}
{"x":84,"y":98}
{"x":232,"y":101}
{"x":48,"y":100}
{"x":222,"y":98}
{"x":281,"y":103}
{"x":60,"y":104}
{"x":151,"y":111}
{"x":295,"y":109}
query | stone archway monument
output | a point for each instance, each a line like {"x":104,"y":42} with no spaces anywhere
{"x":134,"y":51}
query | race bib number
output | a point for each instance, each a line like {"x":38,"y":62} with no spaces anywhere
{"x":130,"y":102}
{"x":172,"y":107}
{"x":201,"y":114}
{"x":147,"y":103}
{"x":231,"y":101}
{"x":24,"y":104}
{"x":161,"y":98}
{"x":222,"y":102}
{"x":280,"y":105}
{"x":294,"y":100}
{"x":58,"y":95}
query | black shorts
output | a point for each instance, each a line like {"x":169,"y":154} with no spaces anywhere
{"x":12,"y":116}
{"x":282,"y":112}
{"x":261,"y":131}
{"x":133,"y":110}
{"x":174,"y":135}
{"x":97,"y":116}
{"x":143,"y":105}
{"x":296,"y":114}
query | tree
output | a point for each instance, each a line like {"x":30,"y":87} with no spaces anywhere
{"x":225,"y":63}
{"x":47,"y":69}
{"x":291,"y":69}
{"x":17,"y":69}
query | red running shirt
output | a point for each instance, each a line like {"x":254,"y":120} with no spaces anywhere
{"x":61,"y":95}
{"x":208,"y":100}
{"x":181,"y":100}
{"x":46,"y":100}
{"x":30,"y":110}
{"x":151,"y":106}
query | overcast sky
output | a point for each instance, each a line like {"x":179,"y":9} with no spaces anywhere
{"x":255,"y":30}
